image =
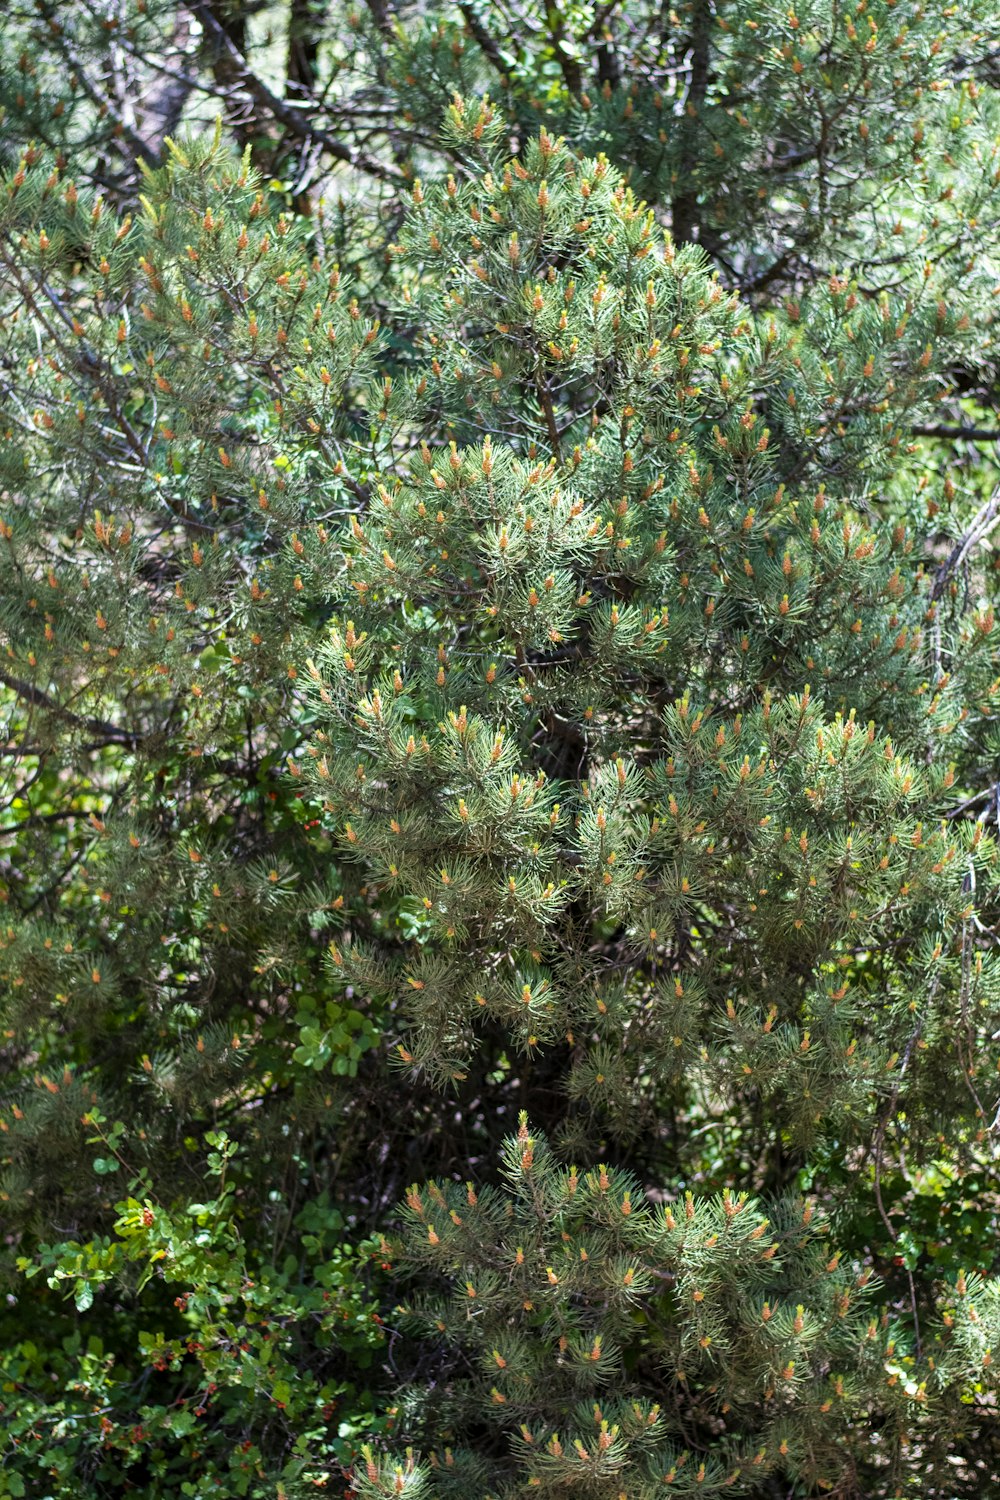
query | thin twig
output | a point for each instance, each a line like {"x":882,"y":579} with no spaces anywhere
{"x":986,"y":519}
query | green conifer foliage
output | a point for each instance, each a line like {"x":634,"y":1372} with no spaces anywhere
{"x":788,"y":140}
{"x":650,"y":714}
{"x":175,"y":405}
{"x":640,"y":724}
{"x":498,"y":619}
{"x":571,"y":1302}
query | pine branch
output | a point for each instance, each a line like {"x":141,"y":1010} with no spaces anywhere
{"x":969,"y":434}
{"x":110,"y":734}
{"x":486,"y":42}
{"x":298,"y":120}
{"x":987,"y":519}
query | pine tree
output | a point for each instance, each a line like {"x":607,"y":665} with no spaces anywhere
{"x":651,"y":713}
{"x":462,"y":618}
